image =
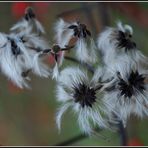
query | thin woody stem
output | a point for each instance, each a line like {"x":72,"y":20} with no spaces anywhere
{"x":89,"y":67}
{"x":123,"y":134}
{"x":75,"y":139}
{"x":67,"y":48}
{"x":98,"y":87}
{"x":72,"y":140}
{"x":39,"y":50}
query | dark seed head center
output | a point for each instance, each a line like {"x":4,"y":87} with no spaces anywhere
{"x":84,"y":95}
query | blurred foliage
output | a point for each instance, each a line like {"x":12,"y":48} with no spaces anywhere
{"x":27,"y":117}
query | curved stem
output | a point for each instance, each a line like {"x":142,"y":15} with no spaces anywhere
{"x":72,"y":140}
{"x":123,"y":134}
{"x":75,"y":139}
{"x":89,"y":67}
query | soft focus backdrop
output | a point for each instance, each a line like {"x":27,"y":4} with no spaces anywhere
{"x":27,"y":117}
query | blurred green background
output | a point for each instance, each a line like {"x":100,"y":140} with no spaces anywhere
{"x":27,"y":117}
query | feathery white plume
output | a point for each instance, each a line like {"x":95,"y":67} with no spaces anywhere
{"x":39,"y":68}
{"x":131,"y":90}
{"x":75,"y":91}
{"x":115,"y":41}
{"x":28,"y":21}
{"x":62,"y":33}
{"x":19,"y":54}
{"x":11,"y":65}
{"x":62,"y":36}
{"x":85,"y":52}
{"x":55,"y":72}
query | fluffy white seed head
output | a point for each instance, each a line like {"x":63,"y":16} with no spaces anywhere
{"x":88,"y":116}
{"x":130,"y":93}
{"x":23,"y":25}
{"x":18,"y":55}
{"x":12,"y":66}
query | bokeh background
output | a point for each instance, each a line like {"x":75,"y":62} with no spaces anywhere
{"x":27,"y":117}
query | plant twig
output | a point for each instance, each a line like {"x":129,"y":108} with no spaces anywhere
{"x":79,"y":137}
{"x":122,"y":133}
{"x":75,"y":139}
{"x":89,"y":67}
{"x":72,"y":140}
